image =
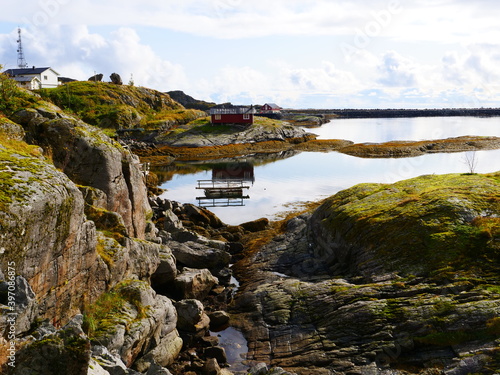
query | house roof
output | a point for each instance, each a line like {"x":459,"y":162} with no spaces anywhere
{"x":25,"y":79}
{"x":28,"y":71}
{"x":273,"y":105}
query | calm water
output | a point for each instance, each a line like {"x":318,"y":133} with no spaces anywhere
{"x":279,"y":181}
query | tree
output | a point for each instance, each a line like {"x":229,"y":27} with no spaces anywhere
{"x":470,"y":160}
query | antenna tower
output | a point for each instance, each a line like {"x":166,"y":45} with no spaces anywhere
{"x":21,"y":61}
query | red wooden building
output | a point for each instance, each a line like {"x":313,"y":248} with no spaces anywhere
{"x":233,"y":115}
{"x":270,"y":108}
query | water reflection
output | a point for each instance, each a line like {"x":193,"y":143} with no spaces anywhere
{"x":412,"y":129}
{"x":228,"y":185}
{"x":280,"y":180}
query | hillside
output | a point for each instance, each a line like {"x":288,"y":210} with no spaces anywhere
{"x":111,"y":106}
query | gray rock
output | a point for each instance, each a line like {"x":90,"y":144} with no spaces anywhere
{"x":154,"y":369}
{"x":148,"y":319}
{"x":259,"y":369}
{"x":164,"y":353}
{"x":194,"y":283}
{"x":197,"y":255}
{"x":166,"y":272}
{"x":96,"y":78}
{"x":191,"y":316}
{"x":172,"y":222}
{"x":111,"y":363}
{"x":217,"y":352}
{"x":116,"y":79}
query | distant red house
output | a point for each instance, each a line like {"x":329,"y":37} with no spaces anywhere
{"x":270,"y":108}
{"x":233,"y":115}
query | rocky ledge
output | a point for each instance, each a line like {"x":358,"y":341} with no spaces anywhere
{"x":381,"y":279}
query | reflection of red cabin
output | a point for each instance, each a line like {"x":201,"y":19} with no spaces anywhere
{"x":270,"y":108}
{"x":234,"y":171}
{"x":233,"y":115}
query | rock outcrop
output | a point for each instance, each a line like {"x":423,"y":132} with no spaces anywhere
{"x":90,"y":158}
{"x":235,"y":135}
{"x":381,"y":278}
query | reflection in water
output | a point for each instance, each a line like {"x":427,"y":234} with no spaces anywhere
{"x":227,"y":186}
{"x":411,"y":129}
{"x":310,"y":176}
{"x":235,"y":345}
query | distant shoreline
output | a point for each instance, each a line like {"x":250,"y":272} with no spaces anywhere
{"x":395,"y":113}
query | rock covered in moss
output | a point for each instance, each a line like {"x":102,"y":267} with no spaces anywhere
{"x":410,"y":227}
{"x":45,"y":233}
{"x":90,"y":158}
{"x":349,"y":288}
{"x":66,"y":351}
{"x":132,"y":320}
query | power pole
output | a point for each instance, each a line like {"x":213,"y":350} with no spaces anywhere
{"x":21,"y":61}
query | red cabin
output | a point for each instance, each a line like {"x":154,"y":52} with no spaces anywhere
{"x":270,"y":108}
{"x":234,"y":115}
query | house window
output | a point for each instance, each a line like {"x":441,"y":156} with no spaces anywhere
{"x":246,"y":117}
{"x":45,"y":78}
{"x":218,"y":117}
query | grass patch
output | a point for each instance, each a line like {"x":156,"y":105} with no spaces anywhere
{"x":109,"y":310}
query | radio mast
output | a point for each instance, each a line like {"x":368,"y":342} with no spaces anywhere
{"x":21,"y":61}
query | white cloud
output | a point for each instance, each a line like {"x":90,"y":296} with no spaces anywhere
{"x":75,"y":52}
{"x":419,"y":20}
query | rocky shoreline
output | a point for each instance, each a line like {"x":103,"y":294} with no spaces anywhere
{"x":158,"y":154}
{"x":104,"y":277}
{"x":324,"y":295}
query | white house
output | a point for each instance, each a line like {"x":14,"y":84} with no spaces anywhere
{"x":29,"y":82}
{"x":27,"y":77}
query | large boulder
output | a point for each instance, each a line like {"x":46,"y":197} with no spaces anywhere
{"x":143,"y":321}
{"x":198,"y":255}
{"x":67,"y":351}
{"x":90,"y":158}
{"x":414,"y":226}
{"x":116,"y":79}
{"x":46,"y":236}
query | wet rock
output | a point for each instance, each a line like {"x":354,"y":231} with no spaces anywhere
{"x":216,"y":352}
{"x":194,"y":283}
{"x":218,"y":319}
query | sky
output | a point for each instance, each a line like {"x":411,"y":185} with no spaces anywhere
{"x":296,"y":53}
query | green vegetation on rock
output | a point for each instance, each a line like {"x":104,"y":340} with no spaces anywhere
{"x":420,"y":225}
{"x":111,"y":106}
{"x":112,"y":308}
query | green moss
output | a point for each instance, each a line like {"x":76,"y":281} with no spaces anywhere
{"x":119,"y":106}
{"x":427,"y":223}
{"x":103,"y":316}
{"x":107,"y":248}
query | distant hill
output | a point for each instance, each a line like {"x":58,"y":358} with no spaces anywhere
{"x":190,"y":102}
